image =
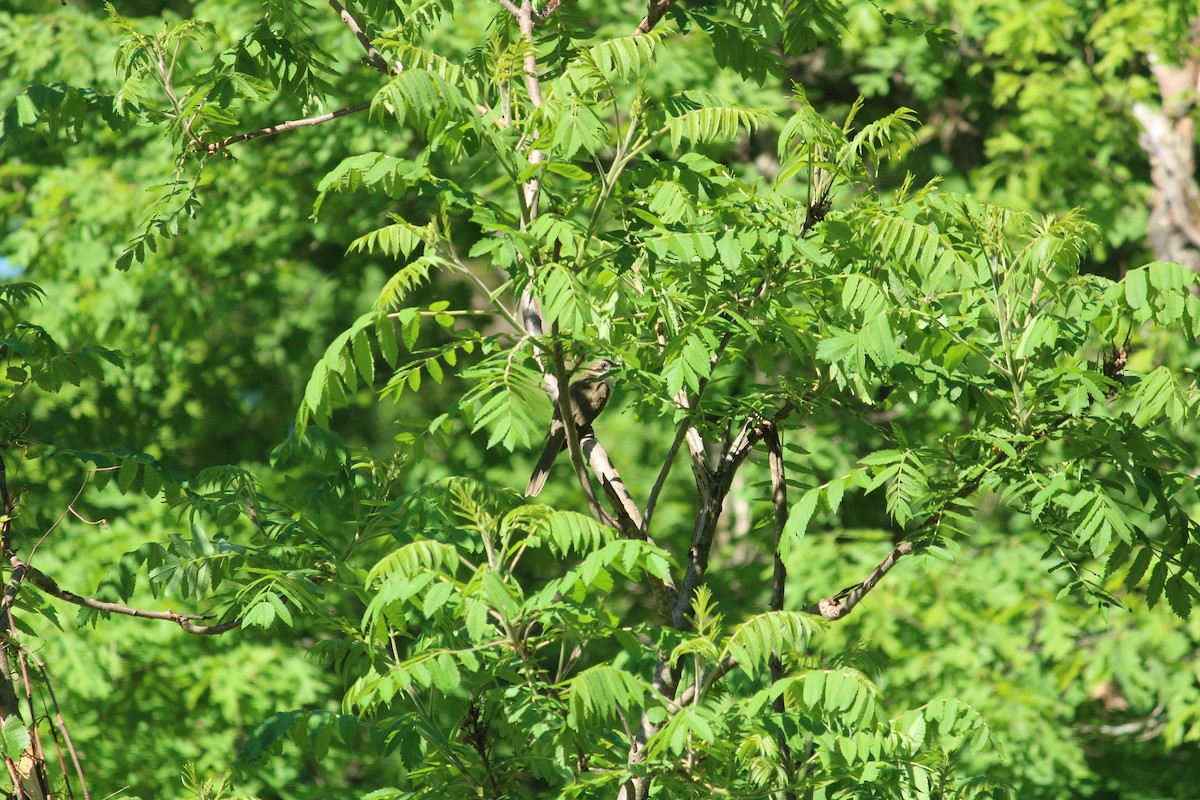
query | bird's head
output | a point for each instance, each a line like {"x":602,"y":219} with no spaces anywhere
{"x":598,"y":369}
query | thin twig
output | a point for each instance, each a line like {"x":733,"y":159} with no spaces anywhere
{"x":686,"y":431}
{"x":373,"y":55}
{"x":493,"y":296}
{"x":50,"y":586}
{"x":842,"y":603}
{"x":39,"y":752}
{"x":652,"y":502}
{"x":271,"y":130}
{"x":69,"y":510}
{"x":61,"y":725}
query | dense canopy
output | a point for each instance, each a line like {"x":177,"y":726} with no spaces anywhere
{"x":894,"y":489}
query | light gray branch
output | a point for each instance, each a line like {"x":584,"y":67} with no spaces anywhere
{"x":842,"y":603}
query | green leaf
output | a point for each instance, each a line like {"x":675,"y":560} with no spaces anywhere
{"x":14,"y":739}
{"x":1136,"y":289}
{"x":797,"y":522}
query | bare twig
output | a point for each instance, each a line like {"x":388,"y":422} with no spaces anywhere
{"x":687,"y":431}
{"x":842,"y":603}
{"x":50,"y":586}
{"x":35,"y":743}
{"x":373,"y":55}
{"x":656,"y":490}
{"x":61,"y":725}
{"x":271,"y":130}
{"x":69,"y":510}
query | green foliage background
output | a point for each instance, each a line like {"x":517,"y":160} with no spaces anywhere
{"x":221,"y":311}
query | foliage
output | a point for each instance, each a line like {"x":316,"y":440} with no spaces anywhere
{"x":502,"y":196}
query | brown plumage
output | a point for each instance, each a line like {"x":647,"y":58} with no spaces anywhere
{"x":588,"y":394}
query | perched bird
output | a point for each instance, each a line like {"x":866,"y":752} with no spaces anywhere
{"x":588,"y":394}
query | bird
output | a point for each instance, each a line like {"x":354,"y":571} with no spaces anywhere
{"x":588,"y":394}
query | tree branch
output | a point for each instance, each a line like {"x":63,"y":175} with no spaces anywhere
{"x":6,"y":507}
{"x":60,"y":725}
{"x":533,"y":87}
{"x":532,"y":84}
{"x":213,"y":147}
{"x":686,"y":431}
{"x":1168,"y":135}
{"x":713,"y":502}
{"x":654,"y":12}
{"x":665,"y":683}
{"x":652,"y":502}
{"x":373,"y":55}
{"x":49,"y":586}
{"x":376,"y":60}
{"x":842,"y":603}
{"x":779,"y":500}
{"x":628,"y":519}
{"x":779,"y":575}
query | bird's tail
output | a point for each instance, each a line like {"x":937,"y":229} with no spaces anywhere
{"x":541,"y":471}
